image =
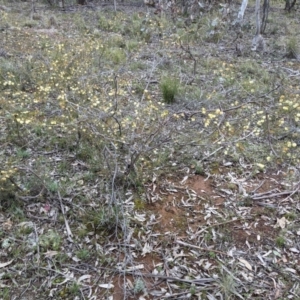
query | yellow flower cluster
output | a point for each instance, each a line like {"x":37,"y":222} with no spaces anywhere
{"x":5,"y":174}
{"x":212,"y":117}
{"x":8,"y":83}
{"x":291,"y":104}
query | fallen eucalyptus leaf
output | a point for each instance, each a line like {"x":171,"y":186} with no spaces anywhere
{"x":2,"y":265}
{"x":245,"y":263}
{"x":281,"y":223}
{"x":84,"y":277}
{"x":106,"y":285}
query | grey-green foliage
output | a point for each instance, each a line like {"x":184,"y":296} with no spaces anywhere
{"x":292,"y":48}
{"x":50,"y":240}
{"x":139,"y":286}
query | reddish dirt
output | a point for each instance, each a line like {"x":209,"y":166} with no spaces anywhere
{"x":149,"y":262}
{"x":261,"y":229}
{"x":256,"y":234}
{"x":200,"y":185}
{"x":172,"y":222}
{"x":204,"y":188}
{"x":174,"y":219}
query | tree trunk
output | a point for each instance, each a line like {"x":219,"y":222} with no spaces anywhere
{"x":242,"y":10}
{"x":258,"y":42}
{"x":289,"y":5}
{"x":61,"y":4}
{"x":266,"y":6}
{"x":257,"y":16}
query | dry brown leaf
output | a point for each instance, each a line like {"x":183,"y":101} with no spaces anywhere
{"x":183,"y":181}
{"x":106,"y":285}
{"x":2,"y":265}
{"x":84,"y":277}
{"x":290,"y":270}
{"x":281,"y":223}
{"x":50,"y":253}
{"x":245,"y":263}
{"x":277,"y":294}
{"x":7,"y":225}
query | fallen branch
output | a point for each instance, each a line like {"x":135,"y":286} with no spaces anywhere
{"x":199,"y":281}
{"x":268,"y":195}
{"x":201,"y":248}
{"x":69,"y":232}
